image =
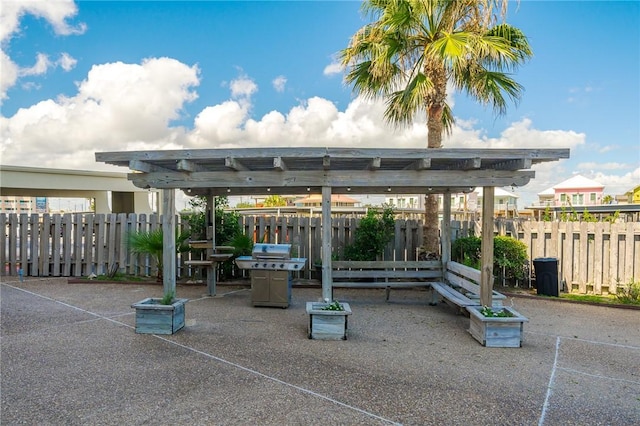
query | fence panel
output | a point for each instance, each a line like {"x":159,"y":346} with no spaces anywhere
{"x":593,"y":257}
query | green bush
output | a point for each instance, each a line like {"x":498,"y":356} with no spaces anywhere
{"x":629,"y":294}
{"x":509,"y":255}
{"x":372,"y":235}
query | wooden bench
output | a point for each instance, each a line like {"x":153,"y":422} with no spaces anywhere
{"x":467,"y":281}
{"x":461,"y":288}
{"x":451,"y":295}
{"x":384,"y":274}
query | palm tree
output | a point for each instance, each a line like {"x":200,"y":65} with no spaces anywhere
{"x":414,"y":48}
{"x":152,"y":243}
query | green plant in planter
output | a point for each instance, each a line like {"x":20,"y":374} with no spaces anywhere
{"x":489,"y":312}
{"x":334,"y":306}
{"x":167,"y":299}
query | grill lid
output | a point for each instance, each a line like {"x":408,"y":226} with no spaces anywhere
{"x":271,"y":251}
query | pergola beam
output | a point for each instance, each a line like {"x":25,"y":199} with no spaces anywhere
{"x":279,"y":164}
{"x":366,"y":181}
{"x":145,"y":167}
{"x":522,"y":163}
{"x":374,"y":164}
{"x":421,"y":164}
{"x":189,"y":166}
{"x":234,"y":164}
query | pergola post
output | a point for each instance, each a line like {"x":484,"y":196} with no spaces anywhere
{"x":327,"y":283}
{"x":445,"y":238}
{"x":169,"y":241}
{"x":486,"y":256}
{"x":212,"y":272}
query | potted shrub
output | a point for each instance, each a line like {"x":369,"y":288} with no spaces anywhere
{"x":164,"y":315}
{"x":497,"y":327}
{"x":328,"y":321}
{"x":160,"y":315}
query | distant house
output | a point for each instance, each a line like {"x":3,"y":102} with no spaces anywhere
{"x":337,"y":200}
{"x":632,"y":196}
{"x":576,"y":191}
{"x":505,"y":202}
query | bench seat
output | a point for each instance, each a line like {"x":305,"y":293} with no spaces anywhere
{"x":199,"y":262}
{"x":452,"y":295}
{"x":384,"y":274}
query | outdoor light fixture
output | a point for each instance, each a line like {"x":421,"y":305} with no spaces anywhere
{"x":389,"y":189}
{"x":348,"y":189}
{"x":430,"y":189}
{"x":228,"y":189}
{"x":308,"y":189}
{"x":268,"y":189}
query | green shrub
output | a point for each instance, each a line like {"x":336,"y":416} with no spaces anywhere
{"x":509,"y":255}
{"x":629,"y":294}
{"x":372,"y":235}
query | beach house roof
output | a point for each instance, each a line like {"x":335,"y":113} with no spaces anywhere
{"x":578,"y":182}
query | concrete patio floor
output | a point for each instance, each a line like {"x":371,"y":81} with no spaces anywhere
{"x":70,"y":356}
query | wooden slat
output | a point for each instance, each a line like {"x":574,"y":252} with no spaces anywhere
{"x":34,"y":249}
{"x":357,"y":274}
{"x":45,"y":246}
{"x":102,"y":258}
{"x":3,"y":243}
{"x":56,"y":249}
{"x":452,"y":295}
{"x":386,"y":264}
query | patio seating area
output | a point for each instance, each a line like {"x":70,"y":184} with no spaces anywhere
{"x":70,"y":355}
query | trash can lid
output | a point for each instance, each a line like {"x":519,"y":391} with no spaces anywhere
{"x":545,"y":259}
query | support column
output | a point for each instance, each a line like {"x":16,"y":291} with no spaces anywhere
{"x":486,"y":257}
{"x":445,"y":238}
{"x":327,"y":282}
{"x":213,"y":271}
{"x":169,"y":241}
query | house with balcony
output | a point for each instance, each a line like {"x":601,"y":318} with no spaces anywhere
{"x":575,"y":191}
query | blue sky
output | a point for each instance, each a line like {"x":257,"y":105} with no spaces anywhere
{"x":81,"y":77}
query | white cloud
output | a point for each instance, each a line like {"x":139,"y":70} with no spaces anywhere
{"x":618,"y":184}
{"x":56,"y":13}
{"x":602,"y":166}
{"x":219,"y":124}
{"x":40,"y":67}
{"x":608,"y":148}
{"x":243,"y":87}
{"x":117,"y":106}
{"x":66,"y":61}
{"x":8,"y":76}
{"x":332,"y":69}
{"x":279,"y":83}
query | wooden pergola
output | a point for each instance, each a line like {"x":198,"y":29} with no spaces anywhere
{"x":291,"y":171}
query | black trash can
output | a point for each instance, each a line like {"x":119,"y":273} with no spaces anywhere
{"x":546,"y":269}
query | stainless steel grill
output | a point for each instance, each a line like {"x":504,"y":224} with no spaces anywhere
{"x":274,"y":257}
{"x":270,"y":266}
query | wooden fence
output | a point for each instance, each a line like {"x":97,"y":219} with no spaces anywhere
{"x":593,"y":257}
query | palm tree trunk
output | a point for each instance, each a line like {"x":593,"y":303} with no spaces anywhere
{"x":430,"y":233}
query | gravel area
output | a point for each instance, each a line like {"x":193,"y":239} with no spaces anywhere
{"x":70,"y":355}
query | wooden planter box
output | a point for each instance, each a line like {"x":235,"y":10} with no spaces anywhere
{"x":496,"y":332}
{"x":152,"y":317}
{"x":327,"y":325}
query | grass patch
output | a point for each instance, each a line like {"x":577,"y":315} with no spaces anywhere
{"x":591,"y":298}
{"x":120,"y":277}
